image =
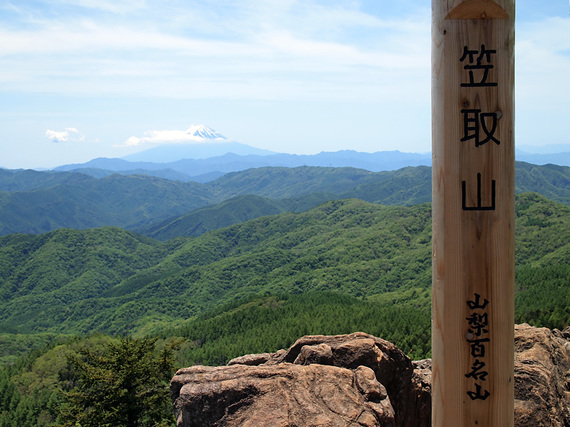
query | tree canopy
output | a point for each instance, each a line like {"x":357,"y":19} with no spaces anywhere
{"x":124,"y":383}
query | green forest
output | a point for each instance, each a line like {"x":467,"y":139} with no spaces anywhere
{"x":33,"y":202}
{"x":192,"y":290}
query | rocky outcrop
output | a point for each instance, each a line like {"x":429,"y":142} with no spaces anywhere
{"x":542,"y":377}
{"x":280,"y":395}
{"x":359,"y":380}
{"x":343,"y":380}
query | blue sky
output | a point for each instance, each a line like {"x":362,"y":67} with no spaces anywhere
{"x":80,"y":78}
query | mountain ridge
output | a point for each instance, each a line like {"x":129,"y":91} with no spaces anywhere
{"x":202,"y":163}
{"x":173,"y":153}
{"x":234,"y":162}
{"x":29,"y":204}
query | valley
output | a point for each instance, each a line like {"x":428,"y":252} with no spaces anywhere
{"x":246,"y":263}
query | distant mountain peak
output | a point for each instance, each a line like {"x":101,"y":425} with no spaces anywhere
{"x":196,"y":142}
{"x":203,"y":131}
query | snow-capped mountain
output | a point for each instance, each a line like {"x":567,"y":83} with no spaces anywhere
{"x":202,"y":131}
{"x":197,"y":142}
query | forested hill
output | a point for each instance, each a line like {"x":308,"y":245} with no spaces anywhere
{"x":296,"y":261}
{"x":37,"y":202}
{"x":342,"y":267}
{"x":232,"y":211}
{"x":70,"y":281}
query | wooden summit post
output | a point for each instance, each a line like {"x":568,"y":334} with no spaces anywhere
{"x":473,"y":212}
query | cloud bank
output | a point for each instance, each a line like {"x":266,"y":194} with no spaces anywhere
{"x":194,"y":134}
{"x":67,"y":135}
{"x":259,"y":50}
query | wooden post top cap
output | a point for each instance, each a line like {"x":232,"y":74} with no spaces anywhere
{"x":477,"y":9}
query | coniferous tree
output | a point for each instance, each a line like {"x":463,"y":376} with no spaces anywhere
{"x":126,"y":384}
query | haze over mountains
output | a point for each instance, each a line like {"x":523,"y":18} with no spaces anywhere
{"x":202,"y":154}
{"x":191,"y":196}
{"x":203,"y":191}
{"x":37,"y":202}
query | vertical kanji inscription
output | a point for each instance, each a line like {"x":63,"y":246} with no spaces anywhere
{"x":473,"y":212}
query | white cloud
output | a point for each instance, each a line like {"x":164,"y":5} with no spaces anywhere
{"x":173,"y":137}
{"x":345,"y":51}
{"x":261,"y":49}
{"x":67,"y":135}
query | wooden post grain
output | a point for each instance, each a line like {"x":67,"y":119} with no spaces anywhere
{"x":473,"y":212}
